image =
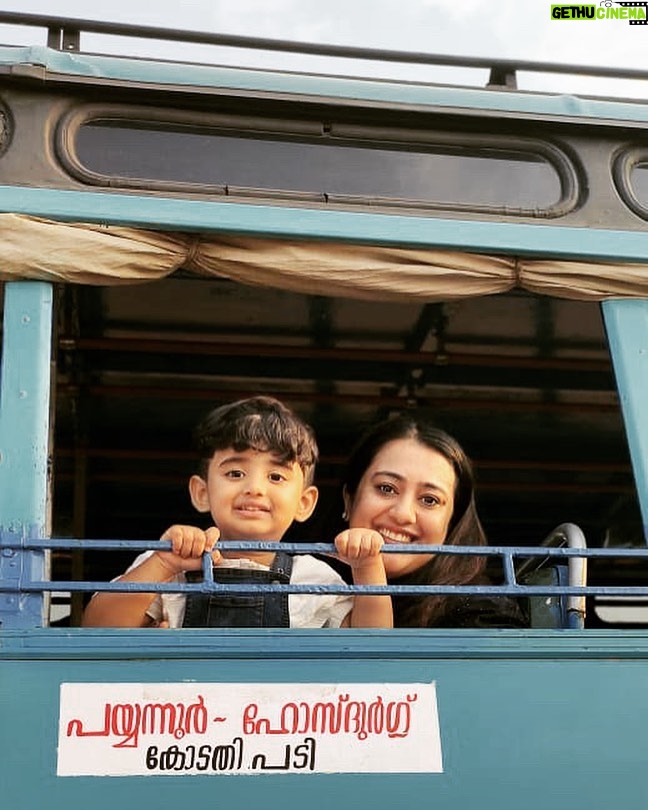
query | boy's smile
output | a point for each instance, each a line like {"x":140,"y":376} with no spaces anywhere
{"x":252,"y":508}
{"x":252,"y":494}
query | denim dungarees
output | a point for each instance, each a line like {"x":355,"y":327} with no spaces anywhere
{"x":241,"y":609}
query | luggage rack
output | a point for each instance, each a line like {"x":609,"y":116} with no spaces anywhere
{"x":64,"y":34}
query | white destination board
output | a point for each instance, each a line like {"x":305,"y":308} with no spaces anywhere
{"x":124,"y":729}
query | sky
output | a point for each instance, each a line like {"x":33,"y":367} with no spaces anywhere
{"x":508,"y":29}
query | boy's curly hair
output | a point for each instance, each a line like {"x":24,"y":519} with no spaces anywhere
{"x":257,"y":423}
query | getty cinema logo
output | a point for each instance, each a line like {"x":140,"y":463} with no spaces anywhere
{"x":634,"y":13}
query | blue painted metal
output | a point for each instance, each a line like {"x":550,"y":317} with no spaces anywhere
{"x":539,"y":715}
{"x":328,"y":548}
{"x":24,"y":440}
{"x":573,"y":584}
{"x":52,"y":63}
{"x":379,"y":229}
{"x":626,"y":322}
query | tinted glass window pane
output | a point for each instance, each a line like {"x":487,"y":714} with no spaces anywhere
{"x":639,"y":183}
{"x":409,"y":172}
{"x":5,"y":130}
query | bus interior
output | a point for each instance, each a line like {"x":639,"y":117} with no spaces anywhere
{"x":525,"y":382}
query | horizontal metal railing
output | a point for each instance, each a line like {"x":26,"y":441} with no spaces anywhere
{"x":64,"y":34}
{"x":511,"y":586}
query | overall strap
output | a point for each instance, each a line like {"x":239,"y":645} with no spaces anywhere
{"x":282,"y":564}
{"x":276,"y":612}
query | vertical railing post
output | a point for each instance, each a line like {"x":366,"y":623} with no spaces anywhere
{"x":626,"y":322}
{"x":25,"y":383}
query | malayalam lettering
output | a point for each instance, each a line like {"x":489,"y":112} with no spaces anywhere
{"x":247,"y":729}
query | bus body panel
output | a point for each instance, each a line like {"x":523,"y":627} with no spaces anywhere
{"x":515,"y":724}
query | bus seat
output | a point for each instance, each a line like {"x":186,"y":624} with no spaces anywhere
{"x":562,"y":610}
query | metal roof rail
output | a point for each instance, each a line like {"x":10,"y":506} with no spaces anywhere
{"x":64,"y":34}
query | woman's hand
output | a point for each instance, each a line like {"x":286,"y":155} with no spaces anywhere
{"x":359,"y":548}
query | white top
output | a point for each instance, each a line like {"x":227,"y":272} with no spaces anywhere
{"x":308,"y":610}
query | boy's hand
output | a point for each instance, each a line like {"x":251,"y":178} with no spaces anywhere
{"x":359,"y":548}
{"x":189,"y":544}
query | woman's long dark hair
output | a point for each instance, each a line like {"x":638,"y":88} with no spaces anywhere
{"x":464,"y":528}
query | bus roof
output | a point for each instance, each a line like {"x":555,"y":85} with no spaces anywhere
{"x":50,"y":65}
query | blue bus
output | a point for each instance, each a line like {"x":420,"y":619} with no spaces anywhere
{"x":175,"y":235}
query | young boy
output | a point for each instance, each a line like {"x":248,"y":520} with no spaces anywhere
{"x":257,"y":462}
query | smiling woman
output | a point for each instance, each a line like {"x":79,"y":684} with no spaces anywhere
{"x":414,"y":484}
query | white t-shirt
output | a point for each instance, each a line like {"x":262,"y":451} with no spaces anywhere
{"x":306,"y":610}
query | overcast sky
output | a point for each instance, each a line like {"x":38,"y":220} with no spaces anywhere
{"x":511,"y":29}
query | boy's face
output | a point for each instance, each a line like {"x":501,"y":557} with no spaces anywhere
{"x":251,"y":495}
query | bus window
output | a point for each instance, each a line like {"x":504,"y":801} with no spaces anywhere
{"x":423,"y":168}
{"x":639,"y":180}
{"x":524,"y":382}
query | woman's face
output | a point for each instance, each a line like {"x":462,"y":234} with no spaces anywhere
{"x":407,"y":495}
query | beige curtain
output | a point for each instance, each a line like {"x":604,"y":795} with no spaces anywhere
{"x":102,"y":255}
{"x":356,"y":271}
{"x":42,"y":250}
{"x":583,"y":281}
